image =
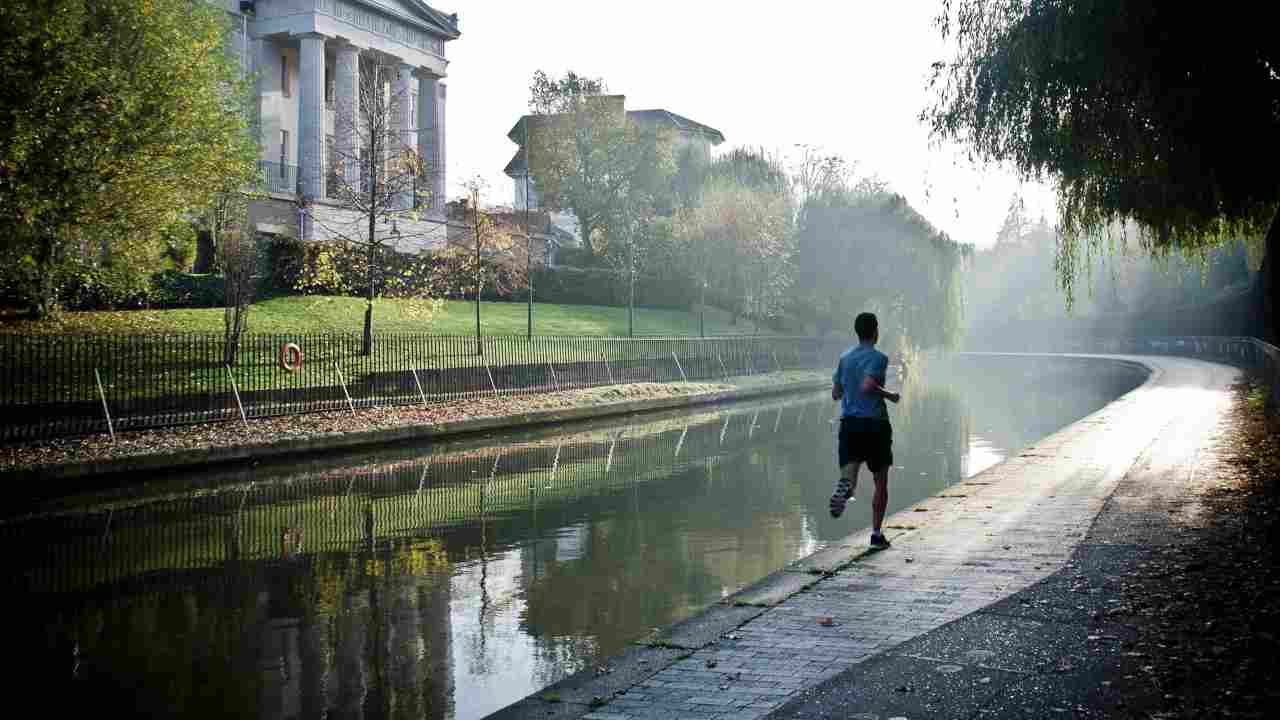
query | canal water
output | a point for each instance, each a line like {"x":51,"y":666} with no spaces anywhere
{"x":449,"y":581}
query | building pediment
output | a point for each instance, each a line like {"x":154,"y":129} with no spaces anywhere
{"x":432,"y":19}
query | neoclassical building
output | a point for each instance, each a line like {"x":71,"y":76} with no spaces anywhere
{"x":307,"y":57}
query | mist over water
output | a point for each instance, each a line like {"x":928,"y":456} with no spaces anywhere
{"x":450,"y":581}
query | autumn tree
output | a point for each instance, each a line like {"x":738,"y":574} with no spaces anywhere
{"x":1163,"y":114}
{"x":586,"y":157}
{"x":117,"y":119}
{"x":378,"y":177}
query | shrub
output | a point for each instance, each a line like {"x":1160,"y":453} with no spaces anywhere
{"x":174,"y":289}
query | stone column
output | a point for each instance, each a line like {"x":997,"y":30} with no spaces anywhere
{"x":311,"y":170}
{"x":427,"y":143}
{"x":402,"y":90}
{"x":438,"y":186}
{"x":346,"y":113}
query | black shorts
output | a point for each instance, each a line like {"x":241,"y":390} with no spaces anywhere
{"x":866,"y":440}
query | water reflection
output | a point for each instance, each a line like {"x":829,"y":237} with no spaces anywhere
{"x":451,"y":581}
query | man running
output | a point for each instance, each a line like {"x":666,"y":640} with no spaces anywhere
{"x":865,"y":433}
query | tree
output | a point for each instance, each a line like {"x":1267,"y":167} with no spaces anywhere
{"x":237,"y":259}
{"x":489,"y":254}
{"x":117,"y":118}
{"x":738,"y":239}
{"x":376,"y":176}
{"x":587,"y":158}
{"x":1161,"y":113}
{"x":866,"y":248}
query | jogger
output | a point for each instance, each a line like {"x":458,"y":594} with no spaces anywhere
{"x":865,"y":432}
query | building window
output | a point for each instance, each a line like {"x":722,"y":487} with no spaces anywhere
{"x":284,"y":75}
{"x":284,"y":150}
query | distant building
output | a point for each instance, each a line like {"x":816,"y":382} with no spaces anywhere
{"x":307,"y":56}
{"x":688,"y":134}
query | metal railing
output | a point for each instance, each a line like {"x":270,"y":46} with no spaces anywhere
{"x":57,"y":385}
{"x":278,"y":177}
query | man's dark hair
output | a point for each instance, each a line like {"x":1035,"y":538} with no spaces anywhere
{"x":865,"y":325}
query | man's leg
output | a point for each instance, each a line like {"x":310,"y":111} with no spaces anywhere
{"x":880,"y":500}
{"x":845,"y":485}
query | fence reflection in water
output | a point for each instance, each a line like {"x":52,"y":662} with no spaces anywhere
{"x":390,"y":502}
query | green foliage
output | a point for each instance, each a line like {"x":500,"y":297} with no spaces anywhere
{"x":1012,"y":284}
{"x":1160,"y":113}
{"x":868,"y":249}
{"x":173,"y":289}
{"x":179,"y":242}
{"x":590,"y":160}
{"x":738,"y":238}
{"x":117,"y":117}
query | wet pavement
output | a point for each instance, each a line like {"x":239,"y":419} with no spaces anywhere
{"x":989,"y":604}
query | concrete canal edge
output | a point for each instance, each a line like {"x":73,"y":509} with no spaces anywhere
{"x":120,"y":470}
{"x":586,"y":692}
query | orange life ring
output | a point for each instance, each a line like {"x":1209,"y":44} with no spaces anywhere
{"x":290,"y":357}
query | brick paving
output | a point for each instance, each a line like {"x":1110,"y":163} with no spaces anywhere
{"x":979,"y":542}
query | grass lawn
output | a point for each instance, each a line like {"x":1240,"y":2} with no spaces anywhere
{"x":317,"y":314}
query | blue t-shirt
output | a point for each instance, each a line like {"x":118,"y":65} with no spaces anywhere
{"x":855,"y":365}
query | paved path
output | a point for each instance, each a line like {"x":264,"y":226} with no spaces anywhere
{"x":982,"y":541}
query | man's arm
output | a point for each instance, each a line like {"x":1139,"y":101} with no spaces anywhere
{"x":873,"y":384}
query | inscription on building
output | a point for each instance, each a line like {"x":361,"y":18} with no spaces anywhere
{"x":383,"y":25}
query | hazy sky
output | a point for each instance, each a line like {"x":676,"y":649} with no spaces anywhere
{"x":849,"y":77}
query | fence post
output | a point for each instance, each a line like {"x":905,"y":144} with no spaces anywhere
{"x":679,"y":366}
{"x":344,"y":388}
{"x":110,"y":427}
{"x":608,"y":462}
{"x":490,"y":374}
{"x":554,"y":383}
{"x":680,"y":442}
{"x":419,"y":384}
{"x":607,"y":368}
{"x":722,"y":367}
{"x":751,"y":430}
{"x":423,"y":480}
{"x":555,"y":465}
{"x":236,"y":391}
{"x":777,"y":421}
{"x":725,"y":427}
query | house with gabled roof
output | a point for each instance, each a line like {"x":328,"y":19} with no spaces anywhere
{"x":689,"y":135}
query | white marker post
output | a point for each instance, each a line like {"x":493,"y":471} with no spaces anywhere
{"x":418,"y":382}
{"x":488,"y":372}
{"x":607,"y":368}
{"x":102,"y":394}
{"x":343,"y":381}
{"x":236,"y":391}
{"x":679,"y":367}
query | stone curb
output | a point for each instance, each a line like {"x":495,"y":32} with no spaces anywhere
{"x":581,"y":693}
{"x":351,"y":440}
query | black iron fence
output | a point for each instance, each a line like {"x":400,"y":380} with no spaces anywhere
{"x":57,"y":385}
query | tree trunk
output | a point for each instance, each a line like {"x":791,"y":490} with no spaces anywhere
{"x":584,"y":227}
{"x":1270,"y":301}
{"x":366,"y":340}
{"x":205,"y":253}
{"x":1271,"y":282}
{"x":45,"y":301}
